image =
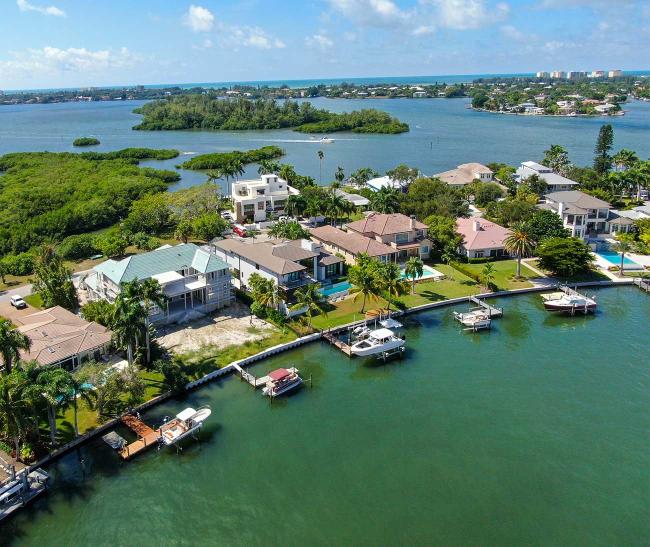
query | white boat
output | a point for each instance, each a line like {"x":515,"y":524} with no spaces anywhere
{"x":390,"y":323}
{"x":568,"y":303}
{"x":323,"y":140}
{"x":377,"y":341}
{"x":475,"y":319}
{"x":185,"y":423}
{"x":281,"y":381}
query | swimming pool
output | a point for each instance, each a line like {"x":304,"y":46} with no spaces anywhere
{"x":336,"y":288}
{"x":428,"y":273}
{"x":614,"y":259}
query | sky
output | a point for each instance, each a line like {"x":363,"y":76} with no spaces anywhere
{"x":77,"y":43}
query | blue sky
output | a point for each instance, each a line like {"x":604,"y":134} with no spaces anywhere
{"x":66,"y":43}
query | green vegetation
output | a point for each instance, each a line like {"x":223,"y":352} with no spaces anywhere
{"x":565,"y":257}
{"x":85,"y":141}
{"x":208,"y":112}
{"x":45,"y":197}
{"x":219,"y":160}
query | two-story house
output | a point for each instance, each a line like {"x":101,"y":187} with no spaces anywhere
{"x":585,"y":216}
{"x":466,"y":173}
{"x":406,"y":235}
{"x":350,"y":245}
{"x":555,"y":182}
{"x":254,"y":199}
{"x":191,"y":278}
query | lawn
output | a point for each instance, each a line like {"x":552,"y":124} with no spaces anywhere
{"x":504,"y":274}
{"x":591,"y":275}
{"x":35,"y":301}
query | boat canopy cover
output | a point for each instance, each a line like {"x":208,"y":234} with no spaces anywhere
{"x":390,"y":323}
{"x":186,"y":414}
{"x":381,"y":334}
{"x":279,"y":374}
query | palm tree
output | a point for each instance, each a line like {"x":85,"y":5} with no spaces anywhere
{"x":390,"y":280}
{"x":624,"y":159}
{"x":152,"y":294}
{"x":414,"y":268}
{"x":334,"y":204}
{"x":268,"y":166}
{"x":488,"y":275}
{"x":57,"y":390}
{"x":321,"y":156}
{"x":363,"y":277}
{"x":520,"y":243}
{"x":296,"y":205}
{"x":264,"y":291}
{"x":80,"y":391}
{"x":309,"y":298}
{"x":17,"y":407}
{"x":11,"y":342}
{"x":385,"y":200}
{"x":623,"y":245}
{"x":129,"y":320}
{"x":339,"y":175}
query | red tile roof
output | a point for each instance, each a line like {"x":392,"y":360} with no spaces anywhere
{"x":488,"y":236}
{"x":385,"y":224}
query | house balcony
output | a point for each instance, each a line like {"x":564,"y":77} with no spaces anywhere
{"x":297,"y":283}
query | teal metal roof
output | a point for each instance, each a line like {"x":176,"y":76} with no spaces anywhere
{"x":161,"y":260}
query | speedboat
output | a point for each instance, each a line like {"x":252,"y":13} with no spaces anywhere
{"x":185,"y":423}
{"x":325,"y":140}
{"x":475,"y":319}
{"x":377,"y":341}
{"x":568,"y":303}
{"x":281,"y":381}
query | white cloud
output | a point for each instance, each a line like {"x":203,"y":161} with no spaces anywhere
{"x":554,"y":46}
{"x":246,"y":36}
{"x":24,"y":5}
{"x":199,"y":19}
{"x":51,"y":60}
{"x":320,"y":41}
{"x":468,"y":14}
{"x":206,"y":44}
{"x":373,"y":13}
{"x":594,"y":4}
{"x":513,"y":33}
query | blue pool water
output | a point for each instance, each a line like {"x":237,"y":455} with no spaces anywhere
{"x":336,"y":288}
{"x":428,"y":273}
{"x":615,"y":259}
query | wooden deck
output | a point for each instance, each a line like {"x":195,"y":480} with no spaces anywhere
{"x":147,"y":437}
{"x":250,"y":378}
{"x":493,"y":311}
{"x":338,"y":343}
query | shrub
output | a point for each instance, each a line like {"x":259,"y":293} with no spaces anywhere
{"x":462,"y":268}
{"x":19,"y":264}
{"x":77,"y":247}
{"x":276,"y":317}
{"x":85,"y":141}
{"x":259,"y":310}
{"x":99,"y":311}
{"x":145,"y":242}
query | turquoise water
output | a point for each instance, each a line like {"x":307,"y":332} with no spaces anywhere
{"x":615,"y":259}
{"x":444,"y":133}
{"x":534,"y":433}
{"x":428,"y":273}
{"x":336,"y":288}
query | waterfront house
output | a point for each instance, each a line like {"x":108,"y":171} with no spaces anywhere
{"x":555,"y":182}
{"x":193,"y":279}
{"x":466,"y":173}
{"x":358,"y":201}
{"x":351,"y":244}
{"x":60,"y":338}
{"x":585,"y":216}
{"x":254,"y":199}
{"x":406,"y":235}
{"x":481,"y":238}
{"x":378,"y":183}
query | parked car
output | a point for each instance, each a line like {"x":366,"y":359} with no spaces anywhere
{"x":17,"y":302}
{"x":239,"y":230}
{"x":227,"y":215}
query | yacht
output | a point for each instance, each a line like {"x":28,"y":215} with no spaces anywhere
{"x":281,"y":381}
{"x":569,"y":303}
{"x":378,"y":341}
{"x":475,"y":319}
{"x":185,"y":423}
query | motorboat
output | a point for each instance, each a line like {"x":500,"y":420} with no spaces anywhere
{"x":185,"y":423}
{"x":378,"y":341}
{"x":390,"y":323}
{"x":323,"y":140}
{"x":361,"y":332}
{"x":281,"y":381}
{"x":569,"y":303}
{"x":475,"y":319}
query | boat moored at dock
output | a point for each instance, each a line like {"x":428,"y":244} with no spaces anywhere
{"x":281,"y":381}
{"x":379,"y":341}
{"x":570,"y":301}
{"x":184,"y":424}
{"x":474,"y":319}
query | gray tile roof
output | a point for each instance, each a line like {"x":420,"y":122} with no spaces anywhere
{"x":577,"y":199}
{"x":263,"y":254}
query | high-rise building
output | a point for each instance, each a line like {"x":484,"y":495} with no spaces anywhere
{"x":576,"y":75}
{"x":542,"y":74}
{"x":597,"y":74}
{"x":615,"y":73}
{"x":558,"y":74}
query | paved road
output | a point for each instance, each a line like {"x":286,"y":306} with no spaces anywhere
{"x":25,"y":290}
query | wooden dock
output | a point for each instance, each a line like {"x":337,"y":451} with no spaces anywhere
{"x":338,"y":343}
{"x":147,"y":437}
{"x":250,"y":378}
{"x":643,"y":284}
{"x":493,"y":311}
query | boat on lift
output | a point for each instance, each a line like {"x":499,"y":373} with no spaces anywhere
{"x":281,"y":381}
{"x":379,"y":341}
{"x":475,"y":319}
{"x":184,"y":424}
{"x":569,"y":303}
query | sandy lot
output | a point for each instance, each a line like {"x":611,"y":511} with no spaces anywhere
{"x":227,"y":327}
{"x":9,"y":312}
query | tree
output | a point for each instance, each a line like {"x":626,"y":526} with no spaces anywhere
{"x":144,"y":242}
{"x":296,"y":205}
{"x":426,"y":197}
{"x":99,"y":311}
{"x":363,"y":277}
{"x":267,"y":167}
{"x":625,"y":159}
{"x":520,"y":243}
{"x":534,"y":184}
{"x":361,"y":176}
{"x":624,"y":244}
{"x":129,"y":318}
{"x":385,"y":200}
{"x":486,"y":192}
{"x":403,"y":175}
{"x":602,"y":159}
{"x":334,"y":205}
{"x":208,"y":226}
{"x":339,"y":175}
{"x":11,"y":342}
{"x":174,"y":376}
{"x":544,"y":224}
{"x":488,"y":275}
{"x":321,"y":156}
{"x":17,"y":407}
{"x":390,"y":280}
{"x":510,"y":211}
{"x":183,"y":230}
{"x":565,"y":257}
{"x":288,"y":229}
{"x":442,"y":231}
{"x":414,"y":268}
{"x":53,"y":281}
{"x":309,"y":297}
{"x":146,"y":293}
{"x":57,"y":390}
{"x":557,"y":158}
{"x":112,"y":244}
{"x":264,"y":291}
{"x":150,"y":214}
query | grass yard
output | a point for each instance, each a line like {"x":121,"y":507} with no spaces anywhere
{"x":504,"y":274}
{"x":34,"y":300}
{"x":591,"y":275}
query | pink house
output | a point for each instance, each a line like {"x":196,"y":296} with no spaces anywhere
{"x":481,"y":238}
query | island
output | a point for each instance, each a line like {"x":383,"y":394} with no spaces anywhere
{"x":210,"y":112}
{"x":85,"y":141}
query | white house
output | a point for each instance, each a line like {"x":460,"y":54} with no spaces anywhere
{"x":191,"y":278}
{"x":481,"y":238}
{"x":253,"y":199}
{"x":378,"y":183}
{"x":556,"y":182}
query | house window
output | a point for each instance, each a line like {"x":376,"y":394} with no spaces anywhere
{"x":293,"y":276}
{"x":478,"y":254}
{"x":249,"y":208}
{"x":402,"y":238}
{"x":260,"y":205}
{"x":424,"y":249}
{"x":331,"y":270}
{"x":570,"y":219}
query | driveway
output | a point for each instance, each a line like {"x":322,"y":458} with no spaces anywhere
{"x":9,"y":312}
{"x":23,"y":290}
